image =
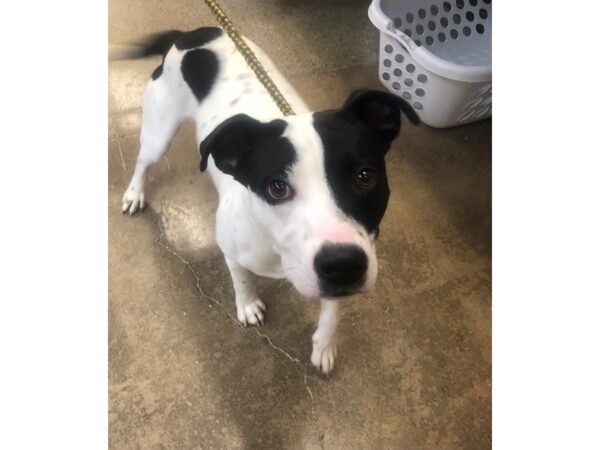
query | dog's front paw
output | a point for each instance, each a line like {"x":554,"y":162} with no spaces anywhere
{"x":133,"y":199}
{"x":251,"y":312}
{"x":324,"y":353}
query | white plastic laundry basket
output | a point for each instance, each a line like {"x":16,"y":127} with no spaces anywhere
{"x":437,"y":55}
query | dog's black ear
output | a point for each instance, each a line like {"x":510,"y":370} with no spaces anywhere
{"x":379,"y":111}
{"x":232,"y":142}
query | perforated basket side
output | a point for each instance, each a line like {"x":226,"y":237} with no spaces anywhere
{"x":439,"y":101}
{"x":449,"y":38}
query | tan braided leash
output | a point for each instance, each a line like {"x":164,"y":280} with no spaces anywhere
{"x":250,"y":58}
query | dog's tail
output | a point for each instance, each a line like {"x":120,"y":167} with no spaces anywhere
{"x":153,"y":44}
{"x":159,"y":43}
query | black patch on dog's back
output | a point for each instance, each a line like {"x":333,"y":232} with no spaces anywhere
{"x":161,"y":43}
{"x":197,"y":38}
{"x":199,"y":69}
{"x":348,"y":147}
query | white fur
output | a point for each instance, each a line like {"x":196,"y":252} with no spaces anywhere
{"x":276,"y":242}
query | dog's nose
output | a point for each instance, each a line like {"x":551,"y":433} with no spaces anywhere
{"x":341,"y":268}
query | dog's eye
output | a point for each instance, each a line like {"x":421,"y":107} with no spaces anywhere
{"x":366,"y":178}
{"x":279,"y":190}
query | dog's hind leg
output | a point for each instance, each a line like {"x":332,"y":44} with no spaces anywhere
{"x":161,"y":118}
{"x":250,"y":308}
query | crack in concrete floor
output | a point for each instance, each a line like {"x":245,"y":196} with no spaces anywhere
{"x":303,"y":367}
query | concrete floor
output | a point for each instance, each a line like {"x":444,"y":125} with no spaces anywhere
{"x":414,"y":366}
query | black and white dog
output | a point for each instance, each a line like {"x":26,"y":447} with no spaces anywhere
{"x":300,"y":197}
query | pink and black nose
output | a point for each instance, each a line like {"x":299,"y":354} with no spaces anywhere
{"x":341,"y":269}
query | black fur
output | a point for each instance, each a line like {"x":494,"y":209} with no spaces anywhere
{"x":355,"y":137}
{"x":157,"y":72}
{"x":198,"y":38}
{"x":379,"y":111}
{"x":199,"y":69}
{"x":161,"y":43}
{"x":254,"y":153}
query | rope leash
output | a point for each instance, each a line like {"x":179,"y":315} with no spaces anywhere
{"x":250,"y":57}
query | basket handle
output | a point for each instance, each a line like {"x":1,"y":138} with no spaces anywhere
{"x":406,"y":42}
{"x":386,"y":25}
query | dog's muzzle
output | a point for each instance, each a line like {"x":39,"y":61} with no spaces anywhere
{"x":341,"y":269}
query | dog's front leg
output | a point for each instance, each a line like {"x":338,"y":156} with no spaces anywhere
{"x":325,"y":338}
{"x":250,"y":308}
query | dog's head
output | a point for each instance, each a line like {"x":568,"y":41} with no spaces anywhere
{"x":317,"y":182}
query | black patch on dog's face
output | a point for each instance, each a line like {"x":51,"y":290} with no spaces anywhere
{"x":253,"y":152}
{"x":197,"y":38}
{"x":199,"y":69}
{"x":356,"y":138}
{"x":157,"y":72}
{"x":349,"y":147}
